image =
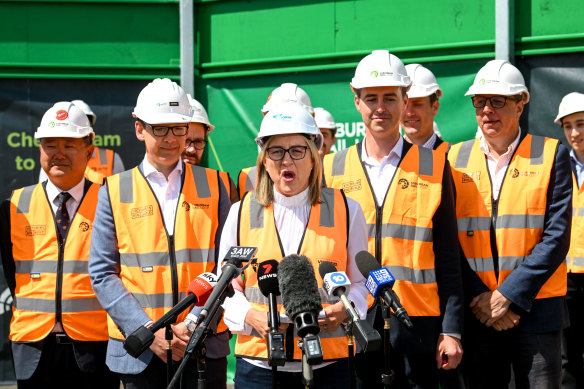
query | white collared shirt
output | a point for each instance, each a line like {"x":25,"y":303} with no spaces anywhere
{"x":381,"y":173}
{"x":166,"y":191}
{"x":76,"y":195}
{"x":578,"y":167}
{"x":498,"y":167}
{"x":430,"y":142}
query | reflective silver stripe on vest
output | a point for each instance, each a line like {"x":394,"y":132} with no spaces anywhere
{"x":578,"y":261}
{"x":254,"y":295}
{"x":250,"y":180}
{"x":126,"y":187}
{"x":481,"y":265}
{"x":163,"y":258}
{"x":201,"y":182}
{"x":520,"y":221}
{"x":426,"y":161}
{"x":157,"y":300}
{"x":536,"y":154}
{"x":479,"y":223}
{"x":581,"y":211}
{"x":102,"y":156}
{"x":327,"y":207}
{"x":339,"y":162}
{"x":401,"y":231}
{"x":415,"y":276}
{"x":24,"y":199}
{"x":48,"y":306}
{"x":464,"y":154}
{"x":256,"y":213}
{"x":32,"y":266}
{"x":510,"y":263}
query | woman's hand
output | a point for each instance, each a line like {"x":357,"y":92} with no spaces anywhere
{"x":259,"y":321}
{"x":335,"y":315}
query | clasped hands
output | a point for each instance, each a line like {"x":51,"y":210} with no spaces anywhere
{"x":492,"y":309}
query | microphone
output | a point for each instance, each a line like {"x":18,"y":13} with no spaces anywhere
{"x":379,"y":282}
{"x":336,"y":284}
{"x":197,"y":293}
{"x":268,"y":284}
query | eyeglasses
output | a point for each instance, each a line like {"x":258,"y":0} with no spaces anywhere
{"x":278,"y":153}
{"x":198,"y":144}
{"x":163,"y":130}
{"x":496,"y":101}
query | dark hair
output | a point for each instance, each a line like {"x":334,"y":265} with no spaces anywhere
{"x":433,"y":98}
{"x":88,"y":139}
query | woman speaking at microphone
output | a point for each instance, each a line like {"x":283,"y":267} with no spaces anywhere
{"x":289,"y":213}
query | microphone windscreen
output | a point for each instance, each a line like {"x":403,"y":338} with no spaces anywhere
{"x":298,"y":286}
{"x":326,"y":267}
{"x":202,"y":286}
{"x":268,"y":277}
{"x":366,"y":263}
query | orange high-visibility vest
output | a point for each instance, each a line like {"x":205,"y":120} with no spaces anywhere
{"x":155,"y":267}
{"x":246,"y":180}
{"x":443,"y":147}
{"x":575,"y":257}
{"x":400,"y":230}
{"x":52,"y":278}
{"x":519,"y":213}
{"x":226,"y":181}
{"x":103,"y":162}
{"x":325,"y":239}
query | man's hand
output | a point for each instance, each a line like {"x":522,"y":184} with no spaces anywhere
{"x":178,"y":345}
{"x":489,"y":307}
{"x":448,"y":352}
{"x":509,"y":320}
{"x":259,"y":321}
{"x":335,"y":315}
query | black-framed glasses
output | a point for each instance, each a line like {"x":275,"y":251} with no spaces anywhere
{"x":278,"y":153}
{"x":198,"y":144}
{"x":496,"y":101}
{"x":163,"y":130}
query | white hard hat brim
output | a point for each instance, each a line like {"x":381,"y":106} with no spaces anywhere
{"x":82,"y":132}
{"x":417,"y":91}
{"x":567,"y":113}
{"x":163,"y":119}
{"x":379,"y":82}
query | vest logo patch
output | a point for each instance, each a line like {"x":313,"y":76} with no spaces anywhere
{"x":84,"y":226}
{"x":471,"y":177}
{"x":403,"y":183}
{"x":328,"y":260}
{"x":516,"y":173}
{"x":188,"y":206}
{"x":351,"y":186}
{"x":35,"y":276}
{"x":35,"y":230}
{"x":147,"y":210}
{"x":147,"y":269}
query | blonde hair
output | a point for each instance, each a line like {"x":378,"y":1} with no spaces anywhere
{"x":264,"y":190}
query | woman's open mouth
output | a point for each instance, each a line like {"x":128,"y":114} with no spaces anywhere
{"x":288,"y":175}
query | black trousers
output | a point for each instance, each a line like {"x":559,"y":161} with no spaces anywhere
{"x":573,"y":336}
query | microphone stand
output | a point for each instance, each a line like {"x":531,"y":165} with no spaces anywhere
{"x":168,"y":335}
{"x":388,"y":375}
{"x":351,"y":348}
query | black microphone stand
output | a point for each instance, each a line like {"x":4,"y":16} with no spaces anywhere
{"x":309,"y":342}
{"x":276,"y":352}
{"x":388,"y":375}
{"x":168,"y":335}
{"x":351,"y":349}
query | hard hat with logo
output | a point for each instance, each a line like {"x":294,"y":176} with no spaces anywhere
{"x":163,"y":101}
{"x":324,"y":119}
{"x":82,"y":105}
{"x":288,"y":92}
{"x":64,"y":120}
{"x":499,"y":77}
{"x":199,"y":113}
{"x":380,"y":68}
{"x":571,"y":103}
{"x":423,"y":81}
{"x":289,"y":118}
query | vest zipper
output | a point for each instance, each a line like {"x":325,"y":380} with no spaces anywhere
{"x":59,"y":287}
{"x":173,"y":272}
{"x":378,"y":226}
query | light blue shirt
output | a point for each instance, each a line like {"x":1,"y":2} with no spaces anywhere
{"x":578,"y":168}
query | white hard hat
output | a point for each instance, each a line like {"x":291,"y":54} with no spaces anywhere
{"x":64,"y":120}
{"x":199,"y":113}
{"x":289,"y":118}
{"x":436,"y":129}
{"x":498,"y":77}
{"x":571,"y":103}
{"x":288,"y":92}
{"x":423,"y":81}
{"x":324,"y":119}
{"x":380,"y":68}
{"x":163,"y":101}
{"x":82,"y":105}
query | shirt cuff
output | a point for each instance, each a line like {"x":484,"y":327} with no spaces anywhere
{"x":236,"y":309}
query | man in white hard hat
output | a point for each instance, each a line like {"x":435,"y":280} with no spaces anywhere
{"x":199,"y":129}
{"x":58,"y":330}
{"x":158,"y":228}
{"x":571,"y":118}
{"x":246,"y":178}
{"x":328,"y":128}
{"x":423,"y":103}
{"x":103,"y":162}
{"x":407,"y":196}
{"x":513,"y":203}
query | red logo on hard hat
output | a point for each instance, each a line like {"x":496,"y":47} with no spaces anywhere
{"x":269,"y":97}
{"x":62,"y":115}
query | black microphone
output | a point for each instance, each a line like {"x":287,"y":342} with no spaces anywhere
{"x":379,"y":282}
{"x":268,"y":284}
{"x":336,"y":283}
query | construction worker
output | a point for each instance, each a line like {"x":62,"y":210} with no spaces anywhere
{"x":406,"y":193}
{"x":158,"y":228}
{"x":328,"y":128}
{"x":103,"y":162}
{"x":513,"y":202}
{"x":58,"y":331}
{"x":423,"y":104}
{"x":286,"y":92}
{"x":199,"y":129}
{"x":571,"y":118}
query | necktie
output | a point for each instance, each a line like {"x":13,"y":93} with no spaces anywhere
{"x":62,"y":215}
